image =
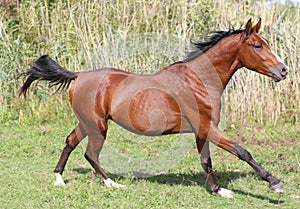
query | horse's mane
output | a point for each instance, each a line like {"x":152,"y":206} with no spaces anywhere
{"x":208,"y":42}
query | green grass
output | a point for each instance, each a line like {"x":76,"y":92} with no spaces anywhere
{"x":28,"y":155}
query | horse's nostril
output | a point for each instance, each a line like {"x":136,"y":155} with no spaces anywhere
{"x":284,"y":71}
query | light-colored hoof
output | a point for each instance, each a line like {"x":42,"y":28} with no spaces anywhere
{"x":277,"y":188}
{"x":225,"y":193}
{"x":111,"y":184}
{"x":59,"y":180}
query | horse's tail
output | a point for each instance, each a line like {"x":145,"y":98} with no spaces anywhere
{"x":44,"y":68}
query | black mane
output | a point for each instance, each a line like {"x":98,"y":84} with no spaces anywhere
{"x":208,"y":42}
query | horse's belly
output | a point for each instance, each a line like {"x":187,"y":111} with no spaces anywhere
{"x":151,"y":112}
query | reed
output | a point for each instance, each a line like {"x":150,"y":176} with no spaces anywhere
{"x":253,"y":96}
{"x":88,"y":34}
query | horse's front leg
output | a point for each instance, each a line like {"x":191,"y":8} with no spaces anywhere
{"x":225,"y":143}
{"x":203,"y":149}
{"x":71,"y":143}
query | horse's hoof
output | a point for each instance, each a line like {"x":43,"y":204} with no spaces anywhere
{"x":111,"y":184}
{"x":277,"y":188}
{"x":59,"y":183}
{"x":225,"y":193}
{"x":59,"y":180}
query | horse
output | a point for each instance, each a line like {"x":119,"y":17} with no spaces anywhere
{"x":184,"y":97}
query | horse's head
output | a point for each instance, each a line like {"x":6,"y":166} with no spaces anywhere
{"x":256,"y":54}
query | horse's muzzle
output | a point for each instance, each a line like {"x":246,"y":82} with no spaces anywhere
{"x":279,"y":72}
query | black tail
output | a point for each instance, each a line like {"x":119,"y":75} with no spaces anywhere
{"x":44,"y":68}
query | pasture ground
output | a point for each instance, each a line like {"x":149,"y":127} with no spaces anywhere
{"x":28,"y":155}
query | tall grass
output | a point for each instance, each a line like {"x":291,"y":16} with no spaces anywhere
{"x":253,"y":96}
{"x":73,"y":32}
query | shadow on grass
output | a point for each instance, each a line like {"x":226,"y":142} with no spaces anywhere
{"x":82,"y":170}
{"x":193,"y":179}
{"x":273,"y":201}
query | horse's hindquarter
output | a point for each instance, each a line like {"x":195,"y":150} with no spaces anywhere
{"x":84,"y":94}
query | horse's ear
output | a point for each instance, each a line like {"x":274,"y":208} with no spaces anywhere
{"x":248,"y":30}
{"x":257,"y":26}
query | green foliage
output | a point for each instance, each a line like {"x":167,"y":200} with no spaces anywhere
{"x":72,"y":32}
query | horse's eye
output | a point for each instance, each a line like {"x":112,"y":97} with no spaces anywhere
{"x":257,"y":46}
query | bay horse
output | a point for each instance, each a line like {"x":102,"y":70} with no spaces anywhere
{"x":184,"y":97}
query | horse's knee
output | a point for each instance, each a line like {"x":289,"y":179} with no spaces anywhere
{"x":242,"y":153}
{"x":87,"y":156}
{"x":91,"y":158}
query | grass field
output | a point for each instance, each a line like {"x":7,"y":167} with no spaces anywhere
{"x":28,"y":156}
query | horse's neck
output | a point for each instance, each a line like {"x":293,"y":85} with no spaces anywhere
{"x":216,"y":66}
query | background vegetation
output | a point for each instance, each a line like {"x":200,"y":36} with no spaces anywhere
{"x":72,"y":32}
{"x":260,"y":114}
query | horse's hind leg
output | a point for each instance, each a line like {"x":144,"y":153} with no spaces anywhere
{"x":95,"y":144}
{"x":71,"y":142}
